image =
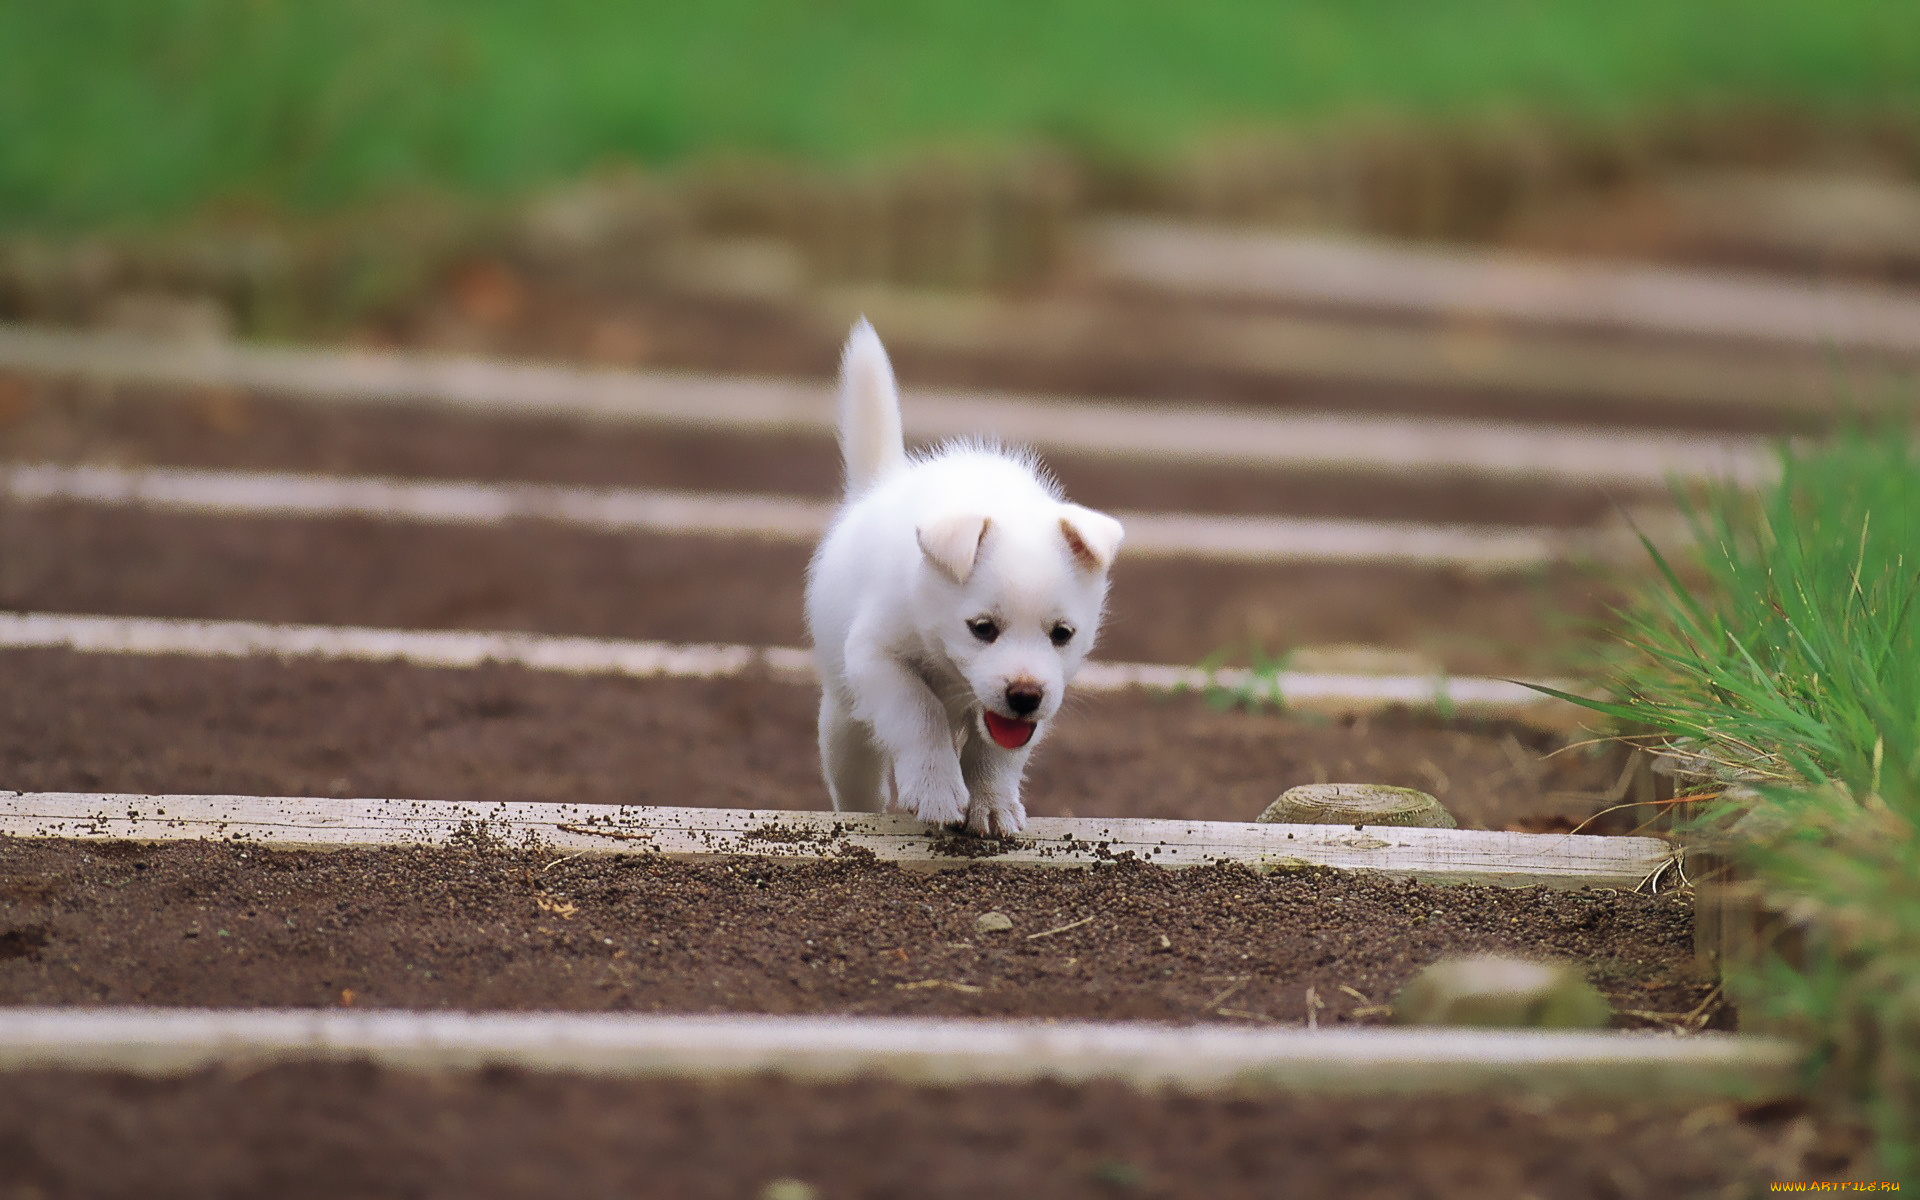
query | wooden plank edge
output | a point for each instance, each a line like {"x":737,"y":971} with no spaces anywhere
{"x":1230,"y":538}
{"x":1645,"y":459}
{"x":917,"y":1050}
{"x":1222,"y":262}
{"x":1447,"y":856}
{"x":460,"y":649}
{"x":1557,"y":369}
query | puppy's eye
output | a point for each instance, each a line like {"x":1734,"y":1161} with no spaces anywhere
{"x":984,"y":628}
{"x":1061,"y":634}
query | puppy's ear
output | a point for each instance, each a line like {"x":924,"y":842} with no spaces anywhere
{"x":1092,"y":537}
{"x":953,"y":543}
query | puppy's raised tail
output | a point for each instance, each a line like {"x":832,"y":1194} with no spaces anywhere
{"x":870,"y":440}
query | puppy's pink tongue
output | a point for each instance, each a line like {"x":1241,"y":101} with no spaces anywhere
{"x":1008,"y":732}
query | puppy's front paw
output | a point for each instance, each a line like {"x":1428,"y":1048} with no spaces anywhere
{"x":996,"y":816}
{"x":933,"y":791}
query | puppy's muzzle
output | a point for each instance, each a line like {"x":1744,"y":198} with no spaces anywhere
{"x":1024,"y":697}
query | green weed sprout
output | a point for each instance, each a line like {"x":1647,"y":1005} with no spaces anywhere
{"x":1259,"y":688}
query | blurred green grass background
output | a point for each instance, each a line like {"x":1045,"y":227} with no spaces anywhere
{"x":115,"y":111}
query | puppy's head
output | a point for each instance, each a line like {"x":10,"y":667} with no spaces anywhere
{"x":1014,"y":602}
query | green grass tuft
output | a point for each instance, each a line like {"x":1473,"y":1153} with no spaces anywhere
{"x":1798,"y":661}
{"x":1795,"y":665}
{"x":1261,"y":688}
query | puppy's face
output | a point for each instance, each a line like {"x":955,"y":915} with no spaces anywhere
{"x":1014,"y":605}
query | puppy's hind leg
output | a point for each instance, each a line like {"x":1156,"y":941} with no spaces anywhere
{"x":855,"y":770}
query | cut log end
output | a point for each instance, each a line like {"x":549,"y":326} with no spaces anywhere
{"x":1357,"y":804}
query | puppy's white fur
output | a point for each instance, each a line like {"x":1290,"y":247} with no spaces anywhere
{"x":922,"y":556}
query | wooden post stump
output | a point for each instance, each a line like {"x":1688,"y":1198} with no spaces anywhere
{"x":1357,"y":804}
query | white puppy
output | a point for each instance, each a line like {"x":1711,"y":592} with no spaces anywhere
{"x":954,"y":597}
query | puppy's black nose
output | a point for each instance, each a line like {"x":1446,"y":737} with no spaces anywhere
{"x":1024,"y":697}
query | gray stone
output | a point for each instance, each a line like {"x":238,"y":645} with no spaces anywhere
{"x":1494,"y":991}
{"x":992,"y":922}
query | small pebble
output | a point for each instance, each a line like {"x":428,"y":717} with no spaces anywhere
{"x":993,"y":922}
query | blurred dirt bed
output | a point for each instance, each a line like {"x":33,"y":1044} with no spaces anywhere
{"x":548,"y":578}
{"x":225,"y":925}
{"x":329,"y":1130}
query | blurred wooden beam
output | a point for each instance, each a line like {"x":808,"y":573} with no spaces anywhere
{"x":914,"y":1050}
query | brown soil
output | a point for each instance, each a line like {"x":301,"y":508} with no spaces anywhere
{"x":74,"y":722}
{"x":559,"y":318}
{"x":45,"y":422}
{"x":221,"y":925}
{"x":353,"y":1129}
{"x":557,"y":579}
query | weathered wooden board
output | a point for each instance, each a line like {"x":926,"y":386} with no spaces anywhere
{"x":648,"y":660}
{"x":1313,"y":441}
{"x":1371,"y":273}
{"x":1435,"y":855}
{"x":767,"y":517}
{"x":161,"y":1041}
{"x":1559,"y":371}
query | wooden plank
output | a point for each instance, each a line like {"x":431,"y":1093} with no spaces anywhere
{"x":1432,"y":855}
{"x":1371,"y":273}
{"x":653,"y":660}
{"x":1195,"y":1057}
{"x":777,"y":518}
{"x":1556,"y":372}
{"x":1328,"y":441}
{"x":425,"y":648}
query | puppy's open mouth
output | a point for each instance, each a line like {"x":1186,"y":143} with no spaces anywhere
{"x":1010,"y":733}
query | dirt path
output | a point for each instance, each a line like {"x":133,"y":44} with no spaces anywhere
{"x":1134,"y":350}
{"x":76,"y":722}
{"x":324,"y":1131}
{"x":52,"y":422}
{"x":210,"y":924}
{"x":478,"y":926}
{"x":555,"y":579}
